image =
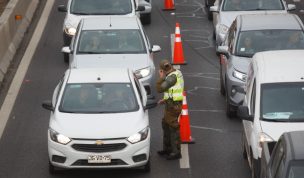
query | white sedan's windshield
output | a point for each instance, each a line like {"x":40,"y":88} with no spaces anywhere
{"x":101,"y":7}
{"x":98,"y":98}
{"x":250,"y":42}
{"x":282,"y":102}
{"x":111,"y":42}
{"x":252,"y":5}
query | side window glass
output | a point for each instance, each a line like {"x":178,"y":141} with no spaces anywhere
{"x":72,"y":45}
{"x":278,"y":154}
{"x":56,"y":92}
{"x":280,"y":167}
{"x":147,"y":39}
{"x":231,"y":37}
{"x":252,"y":100}
{"x":138,"y":89}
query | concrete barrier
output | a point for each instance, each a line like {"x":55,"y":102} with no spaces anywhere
{"x":13,"y":30}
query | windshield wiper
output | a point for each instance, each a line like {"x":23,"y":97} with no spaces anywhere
{"x":80,"y":13}
{"x":88,"y":52}
{"x":276,"y":120}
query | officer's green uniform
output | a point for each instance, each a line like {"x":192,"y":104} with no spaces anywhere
{"x":172,"y":86}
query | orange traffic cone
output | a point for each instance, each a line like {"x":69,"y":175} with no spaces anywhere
{"x":169,"y":5}
{"x":178,"y":55}
{"x":185,"y":132}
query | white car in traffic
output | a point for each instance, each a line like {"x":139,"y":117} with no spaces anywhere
{"x":99,"y":119}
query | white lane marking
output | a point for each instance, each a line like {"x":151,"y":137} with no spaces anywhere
{"x":184,"y":162}
{"x":208,"y":128}
{"x":13,"y":91}
{"x":207,"y":110}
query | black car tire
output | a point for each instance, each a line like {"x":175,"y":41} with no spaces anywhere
{"x":229,"y":112}
{"x":52,"y":169}
{"x":146,"y":18}
{"x":147,"y":167}
{"x":66,"y":57}
{"x":222,"y":88}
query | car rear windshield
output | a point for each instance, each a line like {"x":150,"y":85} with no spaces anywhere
{"x":296,"y":169}
{"x":252,"y":5}
{"x":98,"y":98}
{"x":100,"y":7}
{"x":250,"y":42}
{"x":126,"y":41}
{"x":282,"y":102}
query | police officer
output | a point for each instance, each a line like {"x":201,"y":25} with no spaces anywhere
{"x":171,"y":83}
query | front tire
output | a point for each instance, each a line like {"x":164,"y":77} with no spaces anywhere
{"x":66,"y":57}
{"x":229,"y":108}
{"x":222,"y":88}
{"x":146,"y":19}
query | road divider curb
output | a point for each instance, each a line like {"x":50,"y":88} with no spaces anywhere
{"x":14,"y":22}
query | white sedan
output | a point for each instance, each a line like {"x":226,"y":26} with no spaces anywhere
{"x":99,"y":119}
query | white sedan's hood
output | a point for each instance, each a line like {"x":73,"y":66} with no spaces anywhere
{"x":132,"y":61}
{"x":99,"y":126}
{"x":227,"y":17}
{"x":276,"y":129}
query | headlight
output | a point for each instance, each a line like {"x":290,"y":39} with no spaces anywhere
{"x":59,"y":138}
{"x":239,"y":75}
{"x":263,"y":137}
{"x":140,"y":136}
{"x":141,"y":73}
{"x":223,"y":29}
{"x":70,"y":31}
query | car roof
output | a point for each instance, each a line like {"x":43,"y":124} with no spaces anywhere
{"x":110,"y":22}
{"x":99,"y":75}
{"x":269,"y":21}
{"x":280,"y":66}
{"x":295,"y":144}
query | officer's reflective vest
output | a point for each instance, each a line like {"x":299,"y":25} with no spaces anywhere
{"x":176,"y":91}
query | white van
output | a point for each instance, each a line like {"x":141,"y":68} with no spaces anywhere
{"x":274,"y":101}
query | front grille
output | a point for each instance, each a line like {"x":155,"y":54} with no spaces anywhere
{"x":84,"y":162}
{"x":99,"y":148}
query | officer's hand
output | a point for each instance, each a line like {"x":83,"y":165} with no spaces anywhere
{"x":162,"y":101}
{"x":161,"y":73}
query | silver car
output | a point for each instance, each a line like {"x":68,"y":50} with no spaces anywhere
{"x":78,"y":9}
{"x":116,"y":42}
{"x":247,"y":35}
{"x":225,"y":11}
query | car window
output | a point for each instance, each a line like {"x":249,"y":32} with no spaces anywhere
{"x":138,"y":89}
{"x":277,"y":157}
{"x":296,"y":169}
{"x":250,"y":5}
{"x":252,"y":100}
{"x":98,"y":98}
{"x":56,"y":92}
{"x":100,"y":7}
{"x":111,"y":42}
{"x":250,"y":42}
{"x":231,"y":37}
{"x":282,"y":102}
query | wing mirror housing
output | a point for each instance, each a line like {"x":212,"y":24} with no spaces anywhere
{"x":243,"y":113}
{"x":48,"y":105}
{"x":62,"y":8}
{"x":291,"y":7}
{"x":66,"y":49}
{"x":214,"y":9}
{"x":141,"y":8}
{"x":222,"y":50}
{"x":155,"y":48}
{"x":151,"y":103}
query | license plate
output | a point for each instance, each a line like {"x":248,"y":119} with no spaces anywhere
{"x":99,"y":159}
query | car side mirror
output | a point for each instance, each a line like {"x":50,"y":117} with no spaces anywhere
{"x":214,"y":9}
{"x":66,"y":49}
{"x":243,"y":113}
{"x":151,"y":103}
{"x":141,"y":8}
{"x":62,"y":8}
{"x":291,"y":7}
{"x":222,"y":50}
{"x":155,"y":48}
{"x":48,"y":105}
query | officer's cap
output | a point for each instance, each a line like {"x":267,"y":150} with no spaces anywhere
{"x":165,"y":65}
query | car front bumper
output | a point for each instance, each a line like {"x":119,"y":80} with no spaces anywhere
{"x":236,"y":92}
{"x":70,"y":156}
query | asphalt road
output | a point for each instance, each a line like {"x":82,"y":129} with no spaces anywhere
{"x":217,"y":152}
